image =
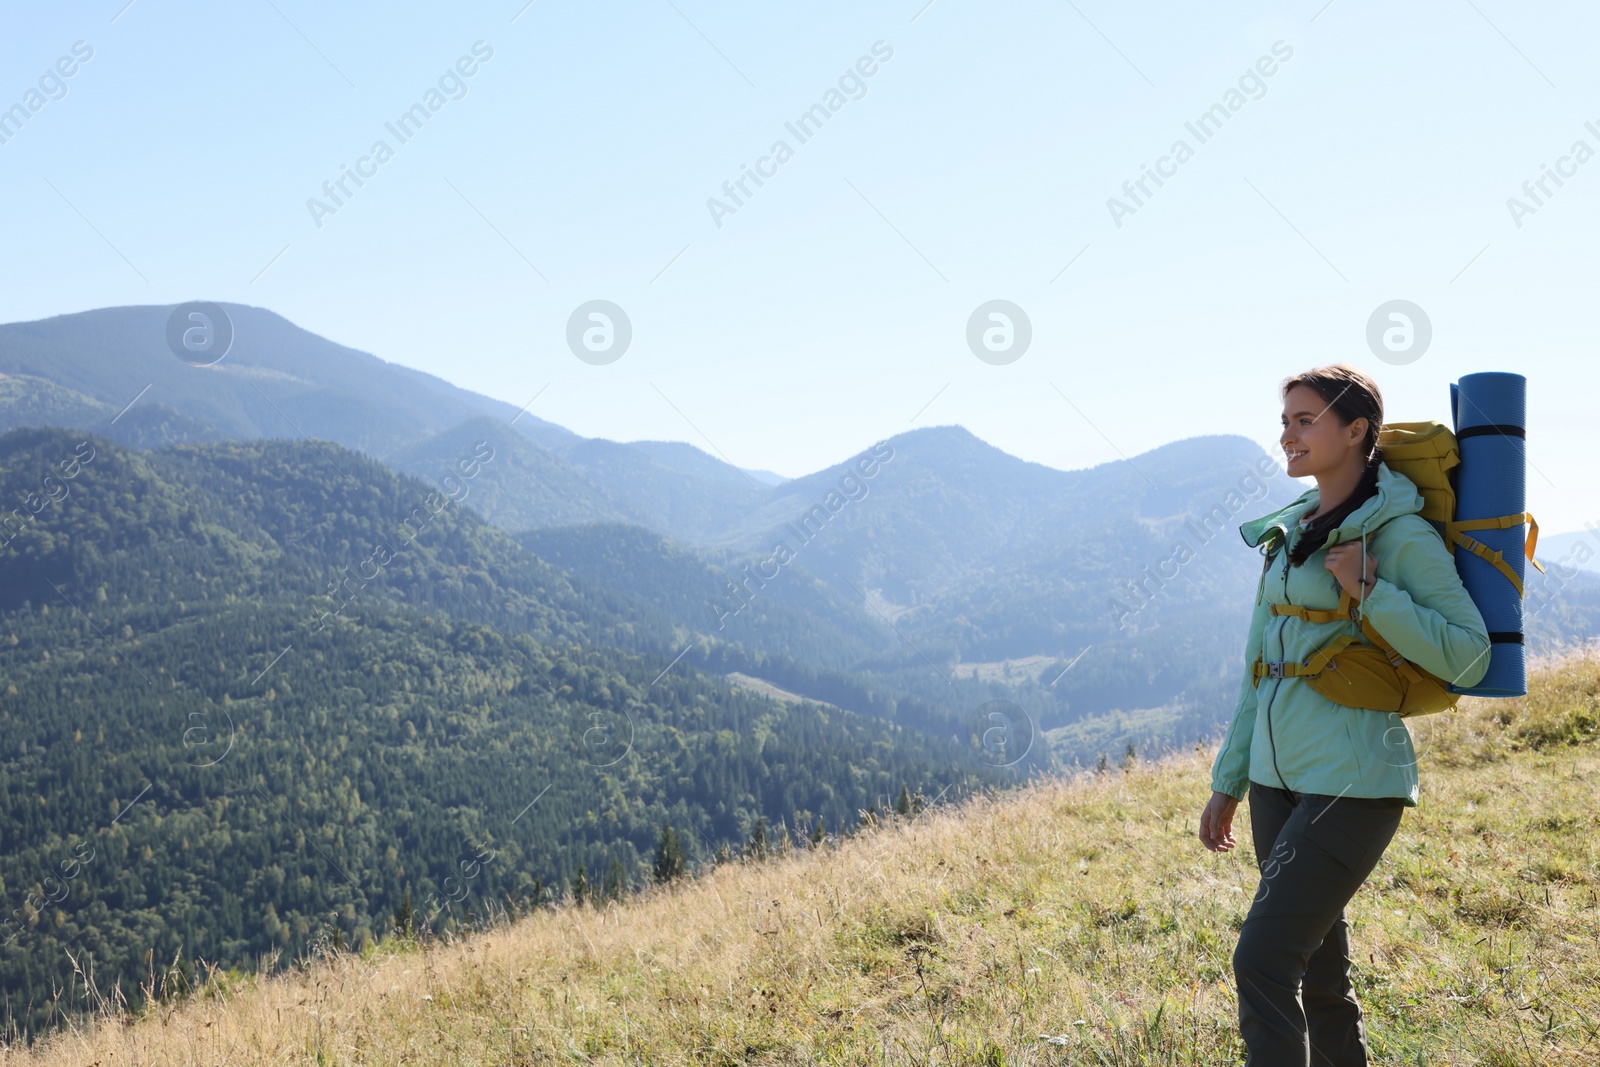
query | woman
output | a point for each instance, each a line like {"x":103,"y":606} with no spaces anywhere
{"x":1327,"y":783}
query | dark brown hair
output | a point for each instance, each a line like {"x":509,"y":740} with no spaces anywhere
{"x":1351,"y":395}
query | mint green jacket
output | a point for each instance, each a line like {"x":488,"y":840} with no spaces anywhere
{"x":1286,"y":734}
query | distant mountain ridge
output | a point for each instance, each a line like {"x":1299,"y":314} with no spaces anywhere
{"x":949,"y":556}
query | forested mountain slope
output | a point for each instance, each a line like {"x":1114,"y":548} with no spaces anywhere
{"x":255,"y":692}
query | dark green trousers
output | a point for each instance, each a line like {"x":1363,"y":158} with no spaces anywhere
{"x":1296,"y":1005}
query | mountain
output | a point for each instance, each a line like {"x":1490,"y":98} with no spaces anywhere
{"x":930,"y":565}
{"x":765,"y":477}
{"x":1073,"y":921}
{"x":526,"y":487}
{"x":988,"y":566}
{"x":796,"y":615}
{"x":944,"y":508}
{"x":29,"y":401}
{"x":257,"y":693}
{"x":278,"y":380}
{"x":1570,"y":551}
{"x":671,"y":489}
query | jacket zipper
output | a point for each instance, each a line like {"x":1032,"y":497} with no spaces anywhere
{"x":1272,"y":744}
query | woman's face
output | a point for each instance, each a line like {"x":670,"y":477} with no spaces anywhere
{"x":1313,"y":440}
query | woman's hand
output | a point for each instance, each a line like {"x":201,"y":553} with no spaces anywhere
{"x":1344,"y":563}
{"x":1216,"y":822}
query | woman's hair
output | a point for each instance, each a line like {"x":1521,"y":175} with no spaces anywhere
{"x":1350,"y":395}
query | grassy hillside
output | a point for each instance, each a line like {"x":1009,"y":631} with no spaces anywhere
{"x":1073,"y":922}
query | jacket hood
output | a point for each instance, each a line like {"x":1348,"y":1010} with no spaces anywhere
{"x":1396,"y":495}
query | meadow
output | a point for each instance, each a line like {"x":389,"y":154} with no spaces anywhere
{"x":1075,"y":920}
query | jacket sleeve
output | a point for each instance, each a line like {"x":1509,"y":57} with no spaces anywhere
{"x":1421,"y":608}
{"x":1230,"y":773}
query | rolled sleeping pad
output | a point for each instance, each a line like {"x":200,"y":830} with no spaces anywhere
{"x":1490,"y":412}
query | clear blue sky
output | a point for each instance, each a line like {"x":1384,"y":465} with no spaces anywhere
{"x":831,"y":308}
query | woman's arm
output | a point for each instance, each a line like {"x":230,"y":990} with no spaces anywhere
{"x":1421,"y":608}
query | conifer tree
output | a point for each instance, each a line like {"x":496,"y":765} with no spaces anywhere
{"x":580,"y":886}
{"x":669,"y":863}
{"x":405,"y":920}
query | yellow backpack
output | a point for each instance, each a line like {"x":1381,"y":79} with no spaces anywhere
{"x":1374,"y":675}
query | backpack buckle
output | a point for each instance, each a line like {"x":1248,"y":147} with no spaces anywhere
{"x":1275,"y":668}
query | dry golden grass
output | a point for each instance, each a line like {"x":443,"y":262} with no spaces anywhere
{"x":1070,"y":922}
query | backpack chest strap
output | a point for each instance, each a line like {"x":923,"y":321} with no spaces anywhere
{"x":1339,"y":614}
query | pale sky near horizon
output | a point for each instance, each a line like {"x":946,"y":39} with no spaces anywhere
{"x":830,"y":308}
